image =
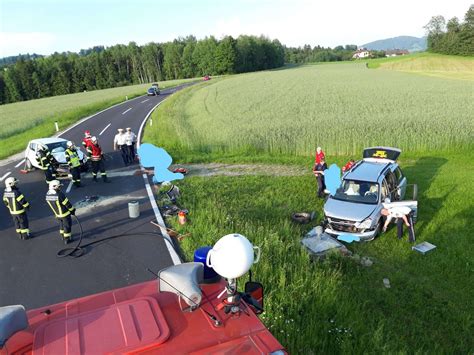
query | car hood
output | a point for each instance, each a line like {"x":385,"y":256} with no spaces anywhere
{"x":348,"y":210}
{"x":61,"y":157}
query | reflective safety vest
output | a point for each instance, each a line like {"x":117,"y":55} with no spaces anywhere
{"x":72,"y":158}
{"x":44,"y":159}
{"x":59,"y":203}
{"x":15,"y":201}
{"x":86,"y":142}
{"x":94,"y":152}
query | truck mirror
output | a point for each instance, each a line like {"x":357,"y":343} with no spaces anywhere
{"x":254,"y":296}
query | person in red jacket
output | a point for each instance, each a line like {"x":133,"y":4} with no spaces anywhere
{"x":348,"y":166}
{"x":87,"y":139}
{"x":319,"y":156}
{"x":96,"y":157}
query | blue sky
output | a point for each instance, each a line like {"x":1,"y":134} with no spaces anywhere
{"x":46,"y":26}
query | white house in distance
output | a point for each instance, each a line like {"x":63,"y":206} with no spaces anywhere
{"x":396,"y":52}
{"x":361,"y":53}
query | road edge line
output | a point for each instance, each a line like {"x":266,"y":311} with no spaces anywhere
{"x":159,"y":218}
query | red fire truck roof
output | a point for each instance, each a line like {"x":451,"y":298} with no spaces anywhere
{"x":140,"y":320}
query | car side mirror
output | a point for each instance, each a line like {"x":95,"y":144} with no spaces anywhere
{"x":254,"y":296}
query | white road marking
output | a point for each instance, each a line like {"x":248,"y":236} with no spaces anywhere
{"x":144,"y":101}
{"x":21,"y":162}
{"x":95,"y":114}
{"x":105,"y":129}
{"x":139,"y":135}
{"x":174,"y":255}
{"x":124,"y":112}
{"x":4,"y":176}
{"x":69,"y":187}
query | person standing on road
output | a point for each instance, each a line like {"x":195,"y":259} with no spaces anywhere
{"x":46,"y":161}
{"x":96,"y":156}
{"x":119,"y":144}
{"x":62,"y":209}
{"x":17,"y":205}
{"x":131,"y":140}
{"x":72,"y":159}
{"x":87,"y":139}
{"x":318,"y":171}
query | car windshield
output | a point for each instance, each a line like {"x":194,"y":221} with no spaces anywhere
{"x":358,"y":191}
{"x":57,"y":147}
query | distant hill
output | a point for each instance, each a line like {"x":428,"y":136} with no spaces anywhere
{"x":412,"y":44}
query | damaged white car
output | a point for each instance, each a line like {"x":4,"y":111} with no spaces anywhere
{"x":57,"y":147}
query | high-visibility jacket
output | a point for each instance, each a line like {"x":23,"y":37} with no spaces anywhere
{"x":86,"y":142}
{"x":72,"y":158}
{"x":94,"y":152}
{"x":15,"y":201}
{"x":59,"y":203}
{"x":44,"y":159}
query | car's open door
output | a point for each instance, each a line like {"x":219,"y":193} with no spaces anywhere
{"x":382,"y":153}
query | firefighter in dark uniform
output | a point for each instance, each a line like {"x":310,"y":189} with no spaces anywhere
{"x":96,"y":156}
{"x":17,"y":205}
{"x":62,"y":209}
{"x":72,"y":159}
{"x":46,"y":160}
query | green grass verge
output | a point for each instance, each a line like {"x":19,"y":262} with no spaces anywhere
{"x":339,"y":306}
{"x":22,"y":121}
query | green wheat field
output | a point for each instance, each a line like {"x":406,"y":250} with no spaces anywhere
{"x":279,"y":117}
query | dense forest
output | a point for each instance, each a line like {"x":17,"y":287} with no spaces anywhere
{"x":120,"y":65}
{"x":452,"y":37}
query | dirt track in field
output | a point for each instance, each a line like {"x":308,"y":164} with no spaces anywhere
{"x":214,"y":169}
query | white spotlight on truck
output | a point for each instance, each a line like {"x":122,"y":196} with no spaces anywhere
{"x":232,"y":256}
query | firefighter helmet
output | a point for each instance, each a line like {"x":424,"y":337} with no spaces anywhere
{"x":54,"y":185}
{"x":70,"y":144}
{"x":10,"y":182}
{"x":94,"y":139}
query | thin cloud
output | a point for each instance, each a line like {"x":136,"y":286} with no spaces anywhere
{"x":25,"y":42}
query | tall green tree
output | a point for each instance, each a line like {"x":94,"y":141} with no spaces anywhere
{"x":225,"y":56}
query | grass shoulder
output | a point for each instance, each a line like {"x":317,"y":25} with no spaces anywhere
{"x":339,"y":305}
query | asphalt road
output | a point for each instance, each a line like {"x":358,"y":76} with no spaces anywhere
{"x":30,"y":272}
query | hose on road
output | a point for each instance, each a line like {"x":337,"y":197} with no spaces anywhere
{"x":79,"y":250}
